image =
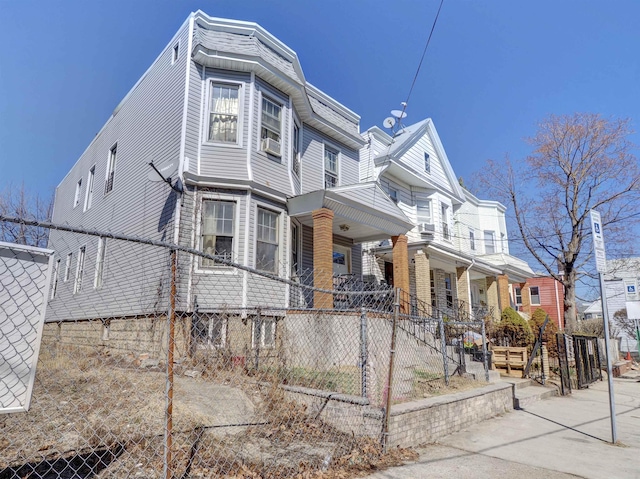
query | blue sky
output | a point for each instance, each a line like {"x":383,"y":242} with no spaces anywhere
{"x":493,"y":69}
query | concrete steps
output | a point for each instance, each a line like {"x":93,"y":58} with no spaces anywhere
{"x":528,"y":391}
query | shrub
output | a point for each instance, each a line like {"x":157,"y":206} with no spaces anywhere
{"x":514,"y":329}
{"x":536,"y":322}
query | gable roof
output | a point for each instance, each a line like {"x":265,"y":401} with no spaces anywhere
{"x":406,"y":138}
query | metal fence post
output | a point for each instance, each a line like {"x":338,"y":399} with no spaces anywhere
{"x":387,"y":409}
{"x":168,"y":436}
{"x":363,"y":352}
{"x":484,"y":352}
{"x":443,"y":345}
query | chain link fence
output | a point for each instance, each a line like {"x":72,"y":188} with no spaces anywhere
{"x":161,"y":361}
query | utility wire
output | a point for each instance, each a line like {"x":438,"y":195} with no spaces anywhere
{"x":424,"y":52}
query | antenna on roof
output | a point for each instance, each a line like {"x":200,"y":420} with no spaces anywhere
{"x":394,"y":122}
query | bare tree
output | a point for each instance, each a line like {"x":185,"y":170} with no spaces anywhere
{"x":16,"y":202}
{"x":579,"y":162}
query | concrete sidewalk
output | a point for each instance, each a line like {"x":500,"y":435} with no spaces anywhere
{"x":559,"y":437}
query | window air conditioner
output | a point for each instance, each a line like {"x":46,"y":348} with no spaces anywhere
{"x":271,"y":146}
{"x":426,"y":229}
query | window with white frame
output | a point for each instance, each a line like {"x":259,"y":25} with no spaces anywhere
{"x":267,"y":241}
{"x":217,"y":230}
{"x":472,"y":239}
{"x":295,"y":156}
{"x":489,"y":242}
{"x":393,"y":194}
{"x":67,"y":267}
{"x":295,"y":256}
{"x":264,"y":333}
{"x":432,"y":282}
{"x":534,"y":293}
{"x":224,"y":110}
{"x":54,"y":282}
{"x":444,"y":211}
{"x":330,"y":168}
{"x":503,"y":243}
{"x":517,"y":292}
{"x":88,"y":200}
{"x":175,"y":53}
{"x":76,"y":199}
{"x":77,"y":287}
{"x":111,"y":169}
{"x":427,"y":163}
{"x":423,"y":210}
{"x":209,"y":330}
{"x":102,"y":249}
{"x":448,"y":289}
{"x":271,"y":120}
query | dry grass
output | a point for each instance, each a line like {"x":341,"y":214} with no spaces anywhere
{"x":83,"y":403}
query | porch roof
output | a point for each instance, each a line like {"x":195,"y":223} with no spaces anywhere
{"x":517,"y":269}
{"x":362,"y":212}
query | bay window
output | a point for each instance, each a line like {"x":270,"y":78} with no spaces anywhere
{"x":267,"y":241}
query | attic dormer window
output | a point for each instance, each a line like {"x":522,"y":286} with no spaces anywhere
{"x":427,"y":163}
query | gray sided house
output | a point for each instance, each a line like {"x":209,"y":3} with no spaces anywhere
{"x":266,"y":161}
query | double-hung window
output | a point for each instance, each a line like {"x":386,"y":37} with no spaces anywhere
{"x":67,"y":267}
{"x":472,"y":239}
{"x":423,"y":210}
{"x":99,"y":275}
{"x":76,"y":200}
{"x":295,"y":157}
{"x":271,"y":119}
{"x":54,"y":283}
{"x":88,"y":200}
{"x":111,"y":169}
{"x":330,"y":168}
{"x":518,"y":300}
{"x":224,"y":108}
{"x":489,"y":242}
{"x":446,"y":230}
{"x":267,"y":241}
{"x":79,"y":270}
{"x":534,"y":293}
{"x":217,"y":230}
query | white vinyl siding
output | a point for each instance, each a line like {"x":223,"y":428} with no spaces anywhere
{"x":217,"y":230}
{"x":224,"y":110}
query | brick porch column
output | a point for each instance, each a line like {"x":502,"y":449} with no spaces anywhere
{"x":492,"y":297}
{"x":401,"y":269}
{"x":463,"y":287}
{"x":322,"y":257}
{"x":526,"y":299}
{"x":503,"y":292}
{"x":423,"y":280}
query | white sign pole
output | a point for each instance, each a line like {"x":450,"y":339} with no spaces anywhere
{"x":601,"y":266}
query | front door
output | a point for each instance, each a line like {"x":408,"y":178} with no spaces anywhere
{"x":388,"y":272}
